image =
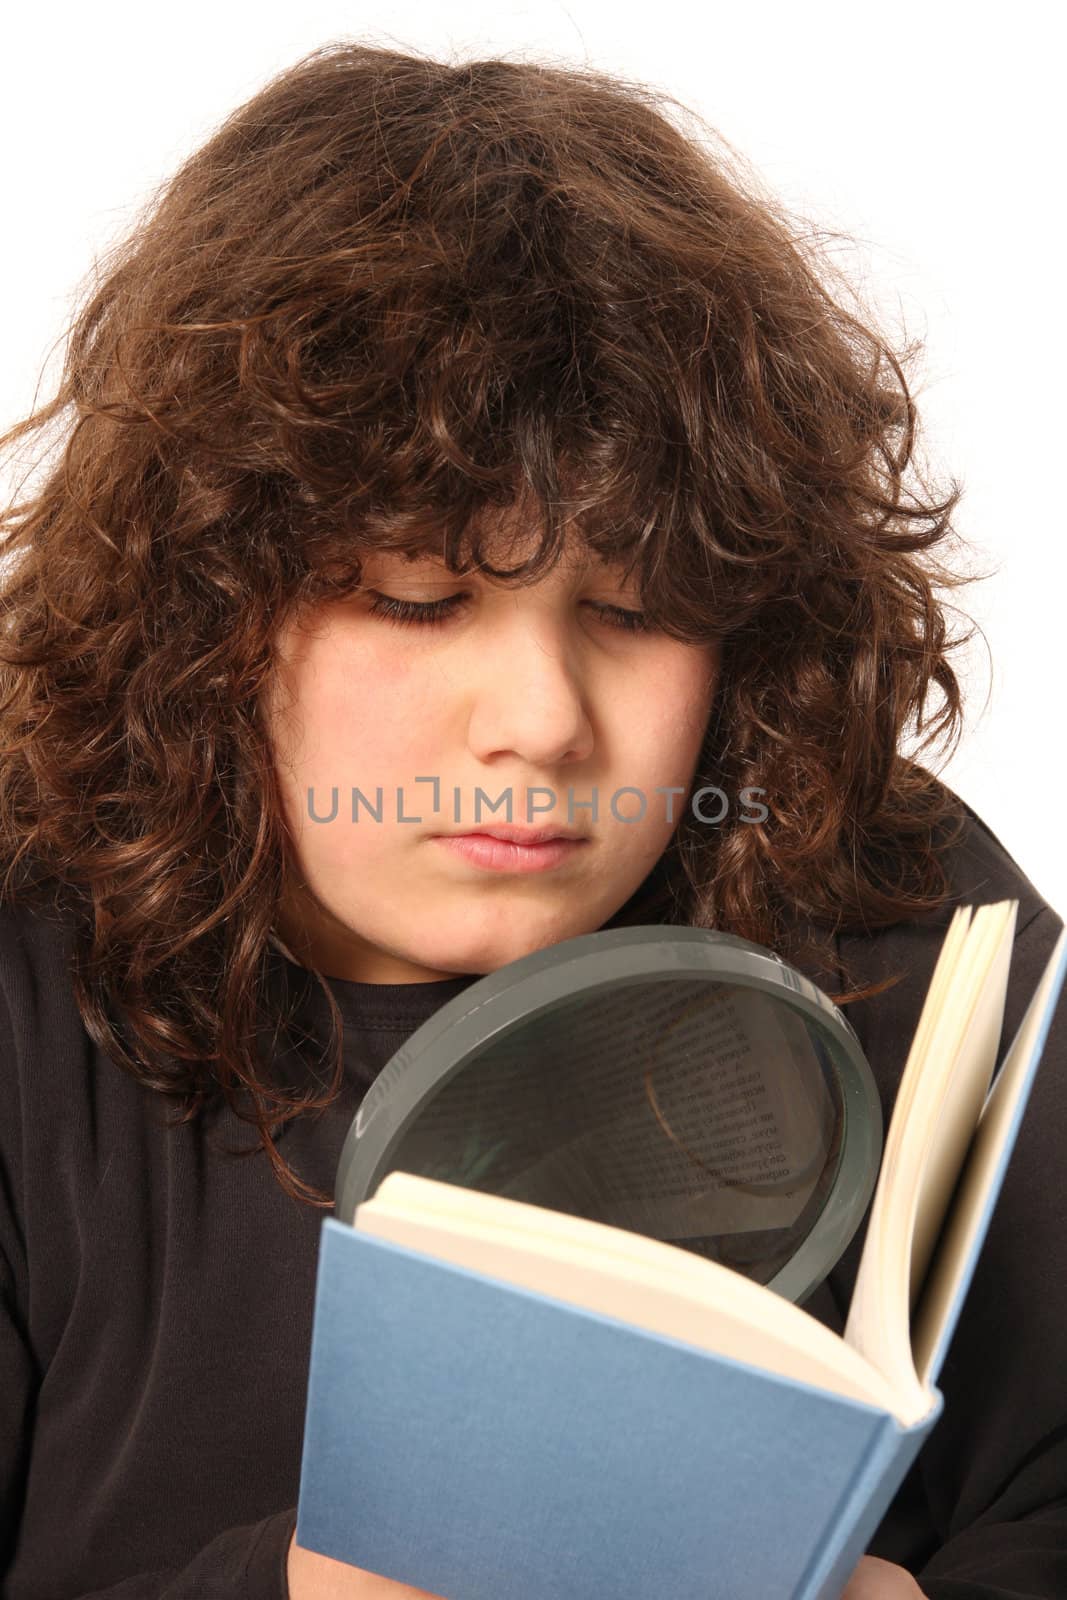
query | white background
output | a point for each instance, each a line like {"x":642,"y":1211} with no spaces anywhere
{"x":927,"y":134}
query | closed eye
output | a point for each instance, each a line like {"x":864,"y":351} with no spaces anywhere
{"x":430,"y":612}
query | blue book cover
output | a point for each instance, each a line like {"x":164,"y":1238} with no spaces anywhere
{"x":481,"y":1441}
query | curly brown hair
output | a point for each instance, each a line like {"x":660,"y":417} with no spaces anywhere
{"x":388,"y":298}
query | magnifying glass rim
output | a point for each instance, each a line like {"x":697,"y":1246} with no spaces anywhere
{"x":507,"y":999}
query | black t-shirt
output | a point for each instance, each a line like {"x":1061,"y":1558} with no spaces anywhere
{"x":156,"y":1295}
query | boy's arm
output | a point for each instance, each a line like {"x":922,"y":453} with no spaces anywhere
{"x":1020,"y":1560}
{"x":247,"y":1562}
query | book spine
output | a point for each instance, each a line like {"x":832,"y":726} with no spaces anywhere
{"x":855,"y":1521}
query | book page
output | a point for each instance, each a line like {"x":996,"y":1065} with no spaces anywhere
{"x":948,"y":1070}
{"x":957,"y":1251}
{"x":965,"y":1092}
{"x":684,"y":1111}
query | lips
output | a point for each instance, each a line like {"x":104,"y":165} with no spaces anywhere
{"x":526,"y":836}
{"x":503,"y":855}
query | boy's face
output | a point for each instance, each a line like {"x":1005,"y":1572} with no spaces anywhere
{"x":519,"y":689}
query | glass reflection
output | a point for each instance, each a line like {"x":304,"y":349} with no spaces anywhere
{"x":705,"y":1115}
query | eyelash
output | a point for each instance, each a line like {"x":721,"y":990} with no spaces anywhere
{"x":404,"y":612}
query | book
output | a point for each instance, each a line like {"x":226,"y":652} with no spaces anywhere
{"x":506,"y":1402}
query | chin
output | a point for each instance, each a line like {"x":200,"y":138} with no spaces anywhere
{"x":471,"y":954}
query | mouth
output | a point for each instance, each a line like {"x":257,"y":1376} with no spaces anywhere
{"x":543,"y":850}
{"x":499,"y":830}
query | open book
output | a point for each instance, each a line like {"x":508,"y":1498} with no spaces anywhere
{"x":590,"y":1411}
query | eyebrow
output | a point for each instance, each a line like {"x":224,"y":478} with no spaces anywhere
{"x":429,"y":566}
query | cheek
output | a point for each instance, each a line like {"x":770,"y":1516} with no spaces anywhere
{"x":361,"y":704}
{"x":677,"y":704}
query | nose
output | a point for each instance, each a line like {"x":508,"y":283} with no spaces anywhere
{"x":532,"y":703}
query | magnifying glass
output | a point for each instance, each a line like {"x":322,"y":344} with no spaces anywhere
{"x":681,"y":1083}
